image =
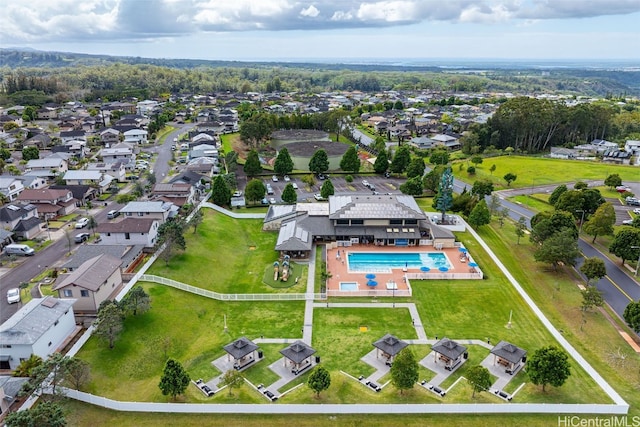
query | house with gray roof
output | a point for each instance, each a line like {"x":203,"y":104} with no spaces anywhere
{"x":129,"y":255}
{"x":41,"y":327}
{"x":98,"y":279}
{"x":176,"y":193}
{"x":510,"y":356}
{"x":130,"y":231}
{"x":54,"y":164}
{"x":449,"y":352}
{"x":9,"y":389}
{"x":11,"y":186}
{"x":160,"y":210}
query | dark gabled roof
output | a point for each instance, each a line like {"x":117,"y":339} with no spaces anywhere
{"x":27,"y":224}
{"x":79,"y":191}
{"x":240,"y":347}
{"x":390,"y":344}
{"x":508,"y":351}
{"x":92,"y":274}
{"x":449,"y":348}
{"x":13,"y":211}
{"x":297,"y":352}
{"x":127,"y":225}
{"x":188,"y":177}
{"x":374,"y":207}
{"x":72,"y":133}
{"x":126,"y":254}
{"x":438,"y":232}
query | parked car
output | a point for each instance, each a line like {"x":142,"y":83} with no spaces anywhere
{"x":82,"y":237}
{"x":627,"y":222}
{"x":264,"y":201}
{"x":13,"y":295}
{"x":272,"y":200}
{"x":19,"y":249}
{"x":622,"y":188}
{"x":636,"y":211}
{"x":274,"y":178}
{"x":113,"y":214}
{"x":286,"y":178}
{"x":269,"y":189}
{"x":133,"y":177}
{"x":318,"y":197}
{"x":237,"y":193}
{"x":295,"y":186}
{"x":82,"y":222}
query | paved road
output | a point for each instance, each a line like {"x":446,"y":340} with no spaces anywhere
{"x":165,"y":154}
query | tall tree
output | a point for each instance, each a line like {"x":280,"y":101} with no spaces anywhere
{"x":631,"y":315}
{"x":401,"y":159}
{"x":327,"y":189}
{"x":439,"y":157}
{"x":601,"y":222}
{"x":404,"y":370}
{"x":45,"y":414}
{"x":546,"y":224}
{"x":174,"y":380}
{"x":319,"y":162}
{"x":412,"y":186}
{"x":626,"y":244}
{"x":591,"y":297}
{"x":255,"y":190}
{"x":319,"y":380}
{"x":416,"y":168}
{"x":232,"y":379}
{"x":171,"y":234}
{"x":482,"y":188}
{"x":520,"y":227}
{"x":78,"y":373}
{"x":382,"y":162}
{"x":220,"y":193}
{"x":480,"y":215}
{"x":494,"y":204}
{"x":559,"y":248}
{"x":283,"y":164}
{"x":350,"y":161}
{"x":109,"y":322}
{"x":289,"y":195}
{"x":50,"y":373}
{"x":196,"y":220}
{"x":613,"y":180}
{"x":557,"y":192}
{"x":445,"y":191}
{"x":593,"y":268}
{"x":137,"y":301}
{"x":549,"y":365}
{"x":30,"y":153}
{"x":479,"y":378}
{"x":510,"y":177}
{"x":252,"y":166}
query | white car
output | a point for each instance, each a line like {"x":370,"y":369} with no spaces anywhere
{"x":274,"y":178}
{"x":295,"y":186}
{"x":318,"y":197}
{"x":636,"y":211}
{"x":13,"y":295}
{"x":627,"y":222}
{"x":286,"y":178}
{"x":82,"y":222}
{"x":272,"y":200}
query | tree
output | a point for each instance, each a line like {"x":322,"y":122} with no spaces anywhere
{"x":232,"y":379}
{"x":92,"y":224}
{"x":521,"y":225}
{"x":480,"y":215}
{"x":78,"y":373}
{"x":593,"y":268}
{"x":549,"y":365}
{"x":220,"y":193}
{"x":555,"y":195}
{"x":283,"y":164}
{"x":492,"y":169}
{"x":350,"y":161}
{"x":559,"y":248}
{"x":171,"y":234}
{"x":382,"y":162}
{"x":601,"y":222}
{"x":174,"y":380}
{"x":196,"y":220}
{"x":444,"y":199}
{"x":476,"y":160}
{"x":30,"y":153}
{"x":510,"y":177}
{"x":50,"y":373}
{"x":439,"y":157}
{"x":319,"y":380}
{"x":613,"y":180}
{"x":255,"y":190}
{"x":471,"y":170}
{"x":482,"y":188}
{"x":26,"y":367}
{"x":319,"y":162}
{"x":45,"y":414}
{"x":546,"y":224}
{"x":404,"y":370}
{"x":252,"y":166}
{"x":494,"y":204}
{"x":591,"y":297}
{"x":401,"y":160}
{"x":109,"y":322}
{"x":4,"y":154}
{"x":412,"y":187}
{"x":631,"y":315}
{"x":327,"y":189}
{"x":137,"y":300}
{"x":289,"y":194}
{"x":479,"y":378}
{"x":415,"y":168}
{"x":623,"y":244}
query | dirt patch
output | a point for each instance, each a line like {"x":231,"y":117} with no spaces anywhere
{"x":252,"y":248}
{"x":307,"y":148}
{"x":299,"y":134}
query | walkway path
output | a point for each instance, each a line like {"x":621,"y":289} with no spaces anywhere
{"x":307,"y":327}
{"x":231,"y":213}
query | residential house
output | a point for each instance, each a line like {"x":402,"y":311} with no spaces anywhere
{"x":115,"y":170}
{"x":96,"y":280}
{"x":205,"y":166}
{"x":82,"y":193}
{"x":178,"y":194}
{"x":73,"y":135}
{"x":633,"y":147}
{"x":6,"y":238}
{"x":109,"y":137}
{"x":53,"y":164}
{"x":604,"y":145}
{"x":118,"y":153}
{"x":50,"y":203}
{"x":159,"y":210}
{"x":203,"y":150}
{"x":32,"y":181}
{"x":136,"y":136}
{"x":10,"y":388}
{"x":94,"y":178}
{"x":47,"y":113}
{"x":11,"y":187}
{"x":42,"y":327}
{"x":7,"y":118}
{"x":448,"y":141}
{"x":129,"y":255}
{"x":130,"y":231}
{"x":562,"y":153}
{"x":423,"y":142}
{"x":146,"y":107}
{"x":41,"y":140}
{"x":21,"y":219}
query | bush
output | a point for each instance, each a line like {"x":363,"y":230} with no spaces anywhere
{"x":471,"y":170}
{"x":348,"y":178}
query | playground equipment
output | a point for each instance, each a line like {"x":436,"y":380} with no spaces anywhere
{"x":276,"y":270}
{"x":285,"y":269}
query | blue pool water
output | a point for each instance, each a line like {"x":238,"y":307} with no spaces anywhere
{"x":384,"y":261}
{"x":348,"y":286}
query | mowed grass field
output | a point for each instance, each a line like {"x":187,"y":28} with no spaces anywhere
{"x":541,"y":171}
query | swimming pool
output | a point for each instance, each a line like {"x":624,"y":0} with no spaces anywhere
{"x":348,"y":286}
{"x":385,"y":261}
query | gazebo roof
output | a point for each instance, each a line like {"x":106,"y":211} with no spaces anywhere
{"x":390,"y":344}
{"x":449,"y":348}
{"x":240,"y":347}
{"x":297,"y":352}
{"x":508,"y":351}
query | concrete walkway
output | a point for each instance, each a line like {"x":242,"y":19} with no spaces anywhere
{"x":231,"y":213}
{"x":307,"y":327}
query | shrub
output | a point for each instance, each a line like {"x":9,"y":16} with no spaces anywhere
{"x":348,"y":178}
{"x":471,"y":170}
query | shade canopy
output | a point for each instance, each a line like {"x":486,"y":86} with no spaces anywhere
{"x":473,"y":264}
{"x":462,"y":250}
{"x":424,"y":268}
{"x":372,"y":283}
{"x":370,"y":276}
{"x":443,"y":268}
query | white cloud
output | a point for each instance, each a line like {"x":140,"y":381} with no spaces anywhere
{"x":389,"y":11}
{"x":311,"y":11}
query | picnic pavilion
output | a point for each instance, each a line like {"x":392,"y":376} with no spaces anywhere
{"x":389,"y":346}
{"x":449,"y":352}
{"x":508,"y":355}
{"x":242,"y":351}
{"x":298,"y":356}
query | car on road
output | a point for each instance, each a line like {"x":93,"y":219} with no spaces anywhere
{"x":269,"y":189}
{"x":81,"y":238}
{"x":113,"y":214}
{"x":82,"y":222}
{"x":13,"y":295}
{"x":274,"y":178}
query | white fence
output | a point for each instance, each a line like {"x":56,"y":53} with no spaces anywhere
{"x":371,"y":293}
{"x":231,"y":297}
{"x":443,"y":276}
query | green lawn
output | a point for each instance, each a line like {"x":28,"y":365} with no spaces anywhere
{"x":533,"y":202}
{"x":541,"y":171}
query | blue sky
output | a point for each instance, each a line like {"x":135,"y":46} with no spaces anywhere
{"x":342,"y":29}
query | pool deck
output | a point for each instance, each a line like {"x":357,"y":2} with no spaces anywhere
{"x":337,"y":265}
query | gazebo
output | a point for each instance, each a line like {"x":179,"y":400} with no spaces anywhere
{"x":242,"y":351}
{"x":298,"y":355}
{"x":449,"y":352}
{"x":508,"y":355}
{"x":389,"y":346}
